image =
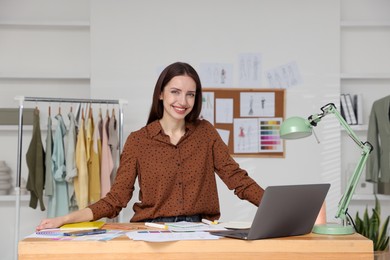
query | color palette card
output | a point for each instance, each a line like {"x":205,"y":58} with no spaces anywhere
{"x":269,"y":135}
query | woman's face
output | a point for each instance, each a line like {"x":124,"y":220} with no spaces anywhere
{"x":178,"y":97}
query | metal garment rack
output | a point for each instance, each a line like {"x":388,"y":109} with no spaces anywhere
{"x":23,"y":99}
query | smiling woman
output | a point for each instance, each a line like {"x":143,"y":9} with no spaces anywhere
{"x":175,"y":158}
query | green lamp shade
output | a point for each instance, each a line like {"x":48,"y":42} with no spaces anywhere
{"x":295,"y":128}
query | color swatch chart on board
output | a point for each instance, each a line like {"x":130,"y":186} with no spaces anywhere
{"x":269,"y":135}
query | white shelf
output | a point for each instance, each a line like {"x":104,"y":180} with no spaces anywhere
{"x":365,"y":75}
{"x":13,"y":197}
{"x":13,"y":128}
{"x":357,"y":128}
{"x":370,"y":197}
{"x":46,"y":76}
{"x":357,"y":23}
{"x":58,"y":24}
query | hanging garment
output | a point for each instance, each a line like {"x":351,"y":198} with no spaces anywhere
{"x":89,"y":134}
{"x":81,"y":180}
{"x":113,"y":142}
{"x":49,"y":179}
{"x":378,"y":164}
{"x":70,"y":158}
{"x":107,"y":164}
{"x":94,"y":165}
{"x":100,"y":125}
{"x":89,"y":151}
{"x":35,"y":158}
{"x":58,"y":168}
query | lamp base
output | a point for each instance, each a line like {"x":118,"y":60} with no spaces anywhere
{"x":333,"y":229}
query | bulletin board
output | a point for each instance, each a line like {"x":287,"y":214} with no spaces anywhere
{"x":248,"y":120}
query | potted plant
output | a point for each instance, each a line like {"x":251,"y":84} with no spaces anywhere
{"x":370,"y":227}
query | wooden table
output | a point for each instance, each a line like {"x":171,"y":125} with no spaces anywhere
{"x":310,"y":246}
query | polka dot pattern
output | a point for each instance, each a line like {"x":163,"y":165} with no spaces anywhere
{"x":177,"y":179}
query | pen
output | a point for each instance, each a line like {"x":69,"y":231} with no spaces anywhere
{"x":156,"y":225}
{"x":208,"y":222}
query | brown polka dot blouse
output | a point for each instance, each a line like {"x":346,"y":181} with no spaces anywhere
{"x":175,"y":180}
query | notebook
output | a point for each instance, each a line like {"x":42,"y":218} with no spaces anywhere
{"x":84,"y":225}
{"x":289,"y":210}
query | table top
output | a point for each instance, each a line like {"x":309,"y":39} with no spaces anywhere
{"x":322,"y":246}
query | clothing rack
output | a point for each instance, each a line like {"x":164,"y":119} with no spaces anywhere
{"x":23,"y":99}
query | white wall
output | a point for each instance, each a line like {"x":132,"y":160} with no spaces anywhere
{"x":131,"y":41}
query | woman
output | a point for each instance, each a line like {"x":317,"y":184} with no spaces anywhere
{"x":175,"y":157}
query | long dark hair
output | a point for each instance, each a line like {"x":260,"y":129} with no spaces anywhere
{"x":173,"y":70}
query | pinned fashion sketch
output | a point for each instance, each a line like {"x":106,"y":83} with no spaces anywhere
{"x":257,"y":104}
{"x":250,"y":70}
{"x":216,"y":74}
{"x":284,"y":76}
{"x":246,"y":135}
{"x":207,"y":112}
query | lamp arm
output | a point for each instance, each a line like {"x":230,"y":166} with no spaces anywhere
{"x":350,"y":189}
{"x":331,"y":108}
{"x":366,"y":150}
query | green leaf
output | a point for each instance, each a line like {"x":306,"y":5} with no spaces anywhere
{"x":370,"y":227}
{"x":377,"y":205}
{"x":374,"y":226}
{"x":383,"y":238}
{"x":384,"y":245}
{"x":366,"y":224}
{"x":358,"y":223}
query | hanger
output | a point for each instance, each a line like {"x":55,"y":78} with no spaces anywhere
{"x":90,"y":111}
{"x":113,"y":113}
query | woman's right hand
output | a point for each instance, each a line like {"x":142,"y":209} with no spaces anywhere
{"x":76,"y":216}
{"x":50,"y":223}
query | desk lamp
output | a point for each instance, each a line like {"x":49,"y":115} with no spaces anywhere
{"x":297,"y":127}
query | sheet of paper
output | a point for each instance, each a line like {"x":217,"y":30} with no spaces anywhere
{"x":284,"y":76}
{"x":184,"y":226}
{"x":56,"y":234}
{"x":207,"y":107}
{"x":270,"y":140}
{"x":250,"y":70}
{"x":216,"y":74}
{"x":224,"y":110}
{"x":246,"y":135}
{"x":224,"y":135}
{"x":166,"y":235}
{"x":257,"y":104}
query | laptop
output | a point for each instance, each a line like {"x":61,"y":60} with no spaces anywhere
{"x":284,"y":211}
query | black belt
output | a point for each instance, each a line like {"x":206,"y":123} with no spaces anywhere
{"x":193,"y":218}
